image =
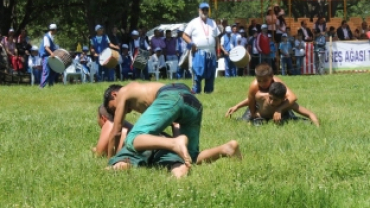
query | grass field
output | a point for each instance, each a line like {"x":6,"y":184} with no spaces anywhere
{"x":46,"y":136}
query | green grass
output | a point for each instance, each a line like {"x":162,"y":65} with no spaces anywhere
{"x":46,"y":136}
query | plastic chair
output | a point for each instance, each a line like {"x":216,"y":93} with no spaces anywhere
{"x":220,"y":66}
{"x":172,"y":68}
{"x":71,"y":70}
{"x":93,"y":66}
{"x":153,"y":69}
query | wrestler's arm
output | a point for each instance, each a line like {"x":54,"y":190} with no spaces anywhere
{"x":253,"y":88}
{"x":306,"y":113}
{"x":123,"y":95}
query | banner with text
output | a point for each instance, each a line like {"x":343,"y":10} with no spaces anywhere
{"x":351,"y":55}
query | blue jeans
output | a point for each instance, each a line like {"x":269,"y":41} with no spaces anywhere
{"x":298,"y":67}
{"x":48,"y":75}
{"x":230,"y":69}
{"x":288,"y":62}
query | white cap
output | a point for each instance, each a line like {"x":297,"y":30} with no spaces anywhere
{"x":284,"y":35}
{"x":124,"y":46}
{"x":98,"y":27}
{"x":157,"y":49}
{"x":228,"y":29}
{"x":52,"y":27}
{"x":34,"y":48}
{"x":269,"y":35}
{"x":181,"y":28}
{"x":134,"y":32}
{"x":11,"y":30}
{"x":264,"y":26}
{"x":241,"y":31}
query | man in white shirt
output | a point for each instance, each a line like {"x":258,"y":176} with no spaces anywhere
{"x":34,"y":64}
{"x":158,"y":59}
{"x":201,"y":34}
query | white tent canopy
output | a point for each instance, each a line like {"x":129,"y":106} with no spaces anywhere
{"x":172,"y":27}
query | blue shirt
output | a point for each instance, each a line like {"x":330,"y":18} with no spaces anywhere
{"x":285,"y":48}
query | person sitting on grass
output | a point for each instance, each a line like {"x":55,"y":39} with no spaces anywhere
{"x":268,"y":102}
{"x":105,"y":121}
{"x":264,"y":78}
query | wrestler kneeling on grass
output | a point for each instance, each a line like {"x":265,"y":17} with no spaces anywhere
{"x":178,"y":169}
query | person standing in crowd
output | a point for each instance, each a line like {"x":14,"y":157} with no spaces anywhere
{"x":344,"y":32}
{"x":83,"y":59}
{"x":99,"y":43}
{"x":226,"y":45}
{"x":34,"y":64}
{"x":46,"y":49}
{"x":280,"y":28}
{"x":272,"y":53}
{"x":306,"y":32}
{"x":255,"y":57}
{"x":271,"y":21}
{"x":201,"y":34}
{"x":134,"y":46}
{"x":285,"y":50}
{"x":320,"y":47}
{"x":126,"y":62}
{"x":254,"y":27}
{"x":320,"y":24}
{"x":263,"y":45}
{"x":171,"y":46}
{"x":299,"y":53}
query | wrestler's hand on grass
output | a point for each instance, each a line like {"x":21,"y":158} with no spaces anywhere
{"x":277,"y":117}
{"x":231,"y":111}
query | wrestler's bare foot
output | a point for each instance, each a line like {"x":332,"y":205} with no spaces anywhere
{"x":180,"y":148}
{"x":119,"y":166}
{"x":179,"y":170}
{"x":93,"y":150}
{"x":231,"y":149}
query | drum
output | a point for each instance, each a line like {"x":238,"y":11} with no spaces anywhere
{"x":109,"y":58}
{"x":62,"y":59}
{"x":240,"y":56}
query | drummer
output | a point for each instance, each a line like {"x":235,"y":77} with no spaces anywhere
{"x":98,"y":44}
{"x":47,"y":47}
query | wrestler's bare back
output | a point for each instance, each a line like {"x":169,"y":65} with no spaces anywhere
{"x":264,"y":109}
{"x":142,"y":95}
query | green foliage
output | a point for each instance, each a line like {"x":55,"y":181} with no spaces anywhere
{"x":46,"y":136}
{"x":361,"y":9}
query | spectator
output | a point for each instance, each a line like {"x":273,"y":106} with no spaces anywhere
{"x":15,"y":60}
{"x":226,"y":45}
{"x":134,"y":46}
{"x":34,"y":64}
{"x":278,"y":11}
{"x":272,"y":53}
{"x":361,"y":32}
{"x":306,"y":32}
{"x":235,"y":35}
{"x":171,"y":46}
{"x":142,"y":33}
{"x":320,"y":47}
{"x":271,"y":21}
{"x":24,"y":46}
{"x":83,"y":59}
{"x":320,"y":24}
{"x":299,"y":53}
{"x":331,"y":33}
{"x":157,"y":41}
{"x":291,"y":38}
{"x":158,"y":58}
{"x":263,"y":45}
{"x":116,"y":40}
{"x":344,"y":32}
{"x":285,"y":51}
{"x":181,"y":47}
{"x":254,"y":26}
{"x":253,"y":51}
{"x":243,"y":38}
{"x":280,"y":28}
{"x":126,"y":62}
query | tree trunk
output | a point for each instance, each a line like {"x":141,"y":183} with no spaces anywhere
{"x":6,"y":17}
{"x":135,"y":14}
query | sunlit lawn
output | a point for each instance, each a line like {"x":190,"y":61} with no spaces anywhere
{"x":46,"y":136}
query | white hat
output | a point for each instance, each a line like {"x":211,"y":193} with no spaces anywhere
{"x":284,"y":35}
{"x":228,"y":29}
{"x":134,"y":32}
{"x":34,"y":48}
{"x":181,"y":28}
{"x":264,"y":26}
{"x":241,"y":31}
{"x":157,"y":49}
{"x":269,"y":35}
{"x":52,"y":27}
{"x":11,"y":30}
{"x":124,"y":46}
{"x":98,"y":27}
